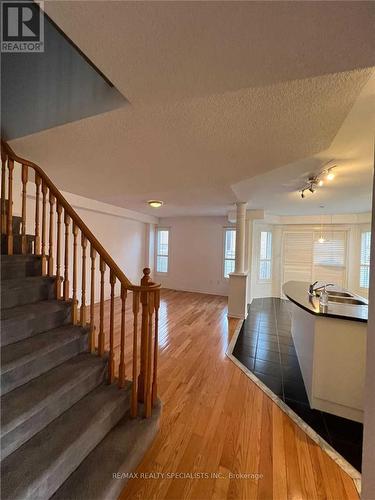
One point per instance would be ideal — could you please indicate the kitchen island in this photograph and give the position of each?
(330, 343)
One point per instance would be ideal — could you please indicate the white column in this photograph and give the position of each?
(240, 237)
(237, 299)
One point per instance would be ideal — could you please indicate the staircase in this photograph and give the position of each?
(69, 418)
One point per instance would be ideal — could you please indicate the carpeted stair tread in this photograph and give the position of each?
(19, 291)
(39, 467)
(29, 408)
(20, 283)
(29, 358)
(122, 449)
(26, 320)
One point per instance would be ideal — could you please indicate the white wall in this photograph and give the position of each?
(195, 254)
(124, 240)
(354, 226)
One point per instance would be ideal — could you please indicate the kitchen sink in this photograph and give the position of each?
(338, 294)
(331, 293)
(346, 300)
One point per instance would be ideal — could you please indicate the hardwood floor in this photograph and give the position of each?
(216, 421)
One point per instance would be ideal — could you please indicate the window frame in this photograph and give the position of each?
(226, 229)
(260, 260)
(363, 232)
(158, 229)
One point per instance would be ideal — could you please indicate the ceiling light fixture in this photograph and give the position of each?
(315, 181)
(155, 203)
(330, 175)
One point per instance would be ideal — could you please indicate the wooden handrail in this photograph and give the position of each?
(73, 215)
(49, 242)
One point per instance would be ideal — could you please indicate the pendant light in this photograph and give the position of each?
(321, 237)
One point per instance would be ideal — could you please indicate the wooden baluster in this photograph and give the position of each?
(3, 201)
(101, 320)
(92, 300)
(24, 179)
(75, 264)
(10, 208)
(83, 291)
(38, 182)
(156, 348)
(144, 335)
(148, 371)
(134, 400)
(44, 228)
(111, 364)
(51, 233)
(121, 377)
(66, 257)
(58, 252)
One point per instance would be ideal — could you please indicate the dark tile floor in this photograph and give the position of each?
(265, 346)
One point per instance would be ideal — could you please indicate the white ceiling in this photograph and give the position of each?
(221, 94)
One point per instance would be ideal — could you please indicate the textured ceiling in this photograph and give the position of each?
(220, 92)
(352, 150)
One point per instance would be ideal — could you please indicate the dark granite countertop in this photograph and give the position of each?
(297, 292)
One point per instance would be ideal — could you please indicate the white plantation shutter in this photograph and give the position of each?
(330, 257)
(364, 277)
(305, 259)
(298, 255)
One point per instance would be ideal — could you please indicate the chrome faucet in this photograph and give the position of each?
(312, 290)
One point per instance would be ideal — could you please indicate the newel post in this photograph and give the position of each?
(145, 281)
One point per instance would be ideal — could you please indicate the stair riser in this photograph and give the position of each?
(16, 330)
(16, 225)
(20, 269)
(40, 291)
(16, 221)
(74, 455)
(22, 374)
(17, 244)
(54, 407)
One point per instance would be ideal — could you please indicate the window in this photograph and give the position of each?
(330, 257)
(330, 249)
(162, 250)
(265, 256)
(310, 255)
(364, 274)
(229, 251)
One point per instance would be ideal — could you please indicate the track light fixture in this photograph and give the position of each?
(315, 181)
(330, 175)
